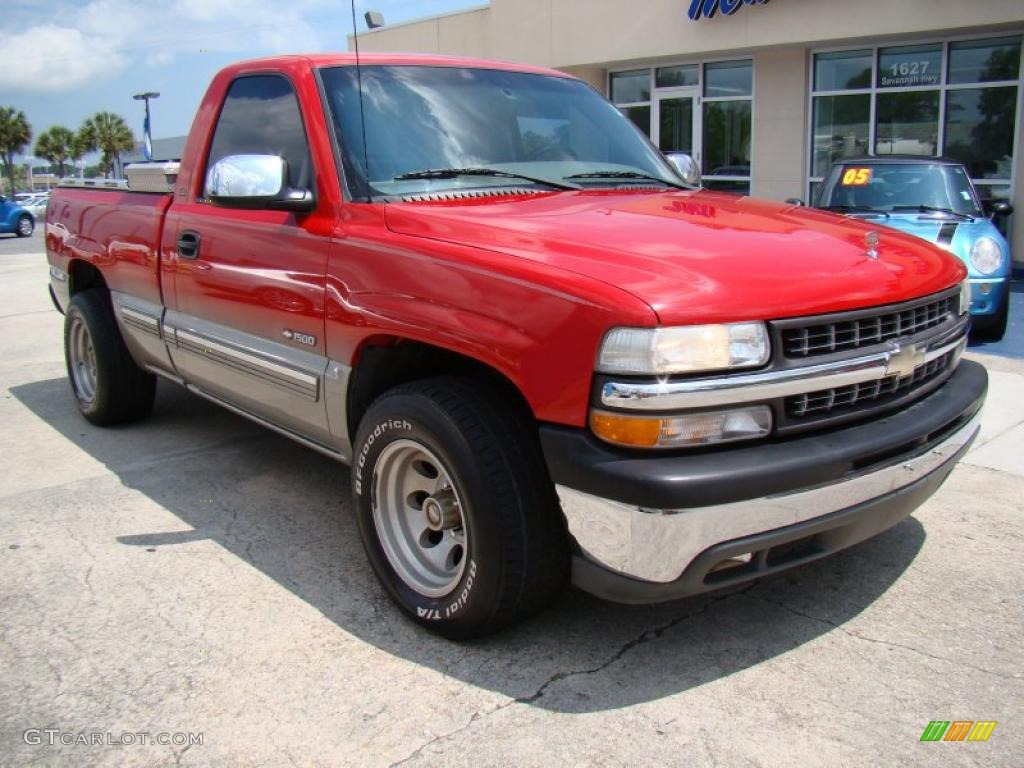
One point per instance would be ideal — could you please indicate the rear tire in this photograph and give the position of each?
(993, 327)
(455, 508)
(25, 226)
(108, 386)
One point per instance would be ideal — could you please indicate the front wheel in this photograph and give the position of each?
(993, 327)
(455, 510)
(108, 386)
(25, 226)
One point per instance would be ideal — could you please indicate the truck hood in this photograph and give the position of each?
(695, 256)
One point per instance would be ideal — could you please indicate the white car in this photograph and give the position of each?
(37, 206)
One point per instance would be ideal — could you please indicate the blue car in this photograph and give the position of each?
(932, 198)
(15, 219)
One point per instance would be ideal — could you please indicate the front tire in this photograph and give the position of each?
(108, 386)
(25, 226)
(993, 327)
(457, 515)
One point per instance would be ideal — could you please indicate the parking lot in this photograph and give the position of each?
(196, 574)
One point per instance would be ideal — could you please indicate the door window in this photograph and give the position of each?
(261, 117)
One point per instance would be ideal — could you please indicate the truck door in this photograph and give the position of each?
(245, 320)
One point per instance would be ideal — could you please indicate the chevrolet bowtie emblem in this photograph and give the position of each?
(904, 359)
(871, 240)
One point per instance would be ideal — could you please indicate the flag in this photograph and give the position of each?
(147, 141)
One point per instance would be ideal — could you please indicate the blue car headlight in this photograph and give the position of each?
(986, 255)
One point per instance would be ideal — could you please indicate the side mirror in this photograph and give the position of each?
(795, 201)
(255, 181)
(1000, 208)
(686, 167)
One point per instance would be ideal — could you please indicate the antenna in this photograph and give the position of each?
(362, 114)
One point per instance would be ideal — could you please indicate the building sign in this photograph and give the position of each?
(707, 8)
(908, 71)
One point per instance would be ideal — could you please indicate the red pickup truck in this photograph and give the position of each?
(542, 351)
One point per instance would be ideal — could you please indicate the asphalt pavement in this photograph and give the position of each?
(198, 577)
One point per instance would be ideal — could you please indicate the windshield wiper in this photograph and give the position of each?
(856, 209)
(626, 175)
(933, 209)
(451, 173)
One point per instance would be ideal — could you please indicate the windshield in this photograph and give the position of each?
(421, 118)
(899, 187)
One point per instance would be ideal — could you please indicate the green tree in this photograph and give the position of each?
(79, 148)
(15, 134)
(110, 134)
(20, 178)
(56, 145)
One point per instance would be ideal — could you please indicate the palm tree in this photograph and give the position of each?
(15, 134)
(79, 148)
(56, 145)
(110, 134)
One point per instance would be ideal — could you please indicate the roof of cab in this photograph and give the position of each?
(317, 60)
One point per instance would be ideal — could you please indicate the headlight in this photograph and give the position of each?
(965, 296)
(986, 255)
(683, 430)
(684, 349)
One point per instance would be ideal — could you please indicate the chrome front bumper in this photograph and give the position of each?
(658, 545)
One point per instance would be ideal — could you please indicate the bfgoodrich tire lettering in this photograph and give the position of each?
(490, 507)
(107, 385)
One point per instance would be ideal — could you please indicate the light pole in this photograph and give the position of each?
(147, 137)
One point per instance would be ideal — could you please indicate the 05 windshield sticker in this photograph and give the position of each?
(856, 177)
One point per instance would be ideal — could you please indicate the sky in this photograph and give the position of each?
(64, 60)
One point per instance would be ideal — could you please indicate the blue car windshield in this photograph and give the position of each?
(534, 129)
(899, 187)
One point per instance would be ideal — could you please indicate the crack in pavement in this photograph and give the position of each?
(877, 641)
(644, 637)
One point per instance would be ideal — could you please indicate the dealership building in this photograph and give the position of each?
(767, 94)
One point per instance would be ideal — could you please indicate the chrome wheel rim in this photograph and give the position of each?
(419, 518)
(25, 226)
(82, 357)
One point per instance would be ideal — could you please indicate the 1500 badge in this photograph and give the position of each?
(302, 338)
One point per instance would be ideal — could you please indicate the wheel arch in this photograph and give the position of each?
(384, 362)
(84, 276)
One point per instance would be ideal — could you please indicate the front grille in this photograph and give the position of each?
(843, 335)
(865, 395)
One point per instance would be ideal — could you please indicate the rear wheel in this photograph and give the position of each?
(458, 517)
(25, 226)
(992, 327)
(108, 386)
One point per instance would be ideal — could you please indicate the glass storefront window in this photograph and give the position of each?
(842, 127)
(907, 123)
(676, 125)
(842, 70)
(909, 66)
(962, 94)
(726, 185)
(729, 78)
(980, 129)
(984, 61)
(629, 87)
(641, 117)
(727, 133)
(676, 77)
